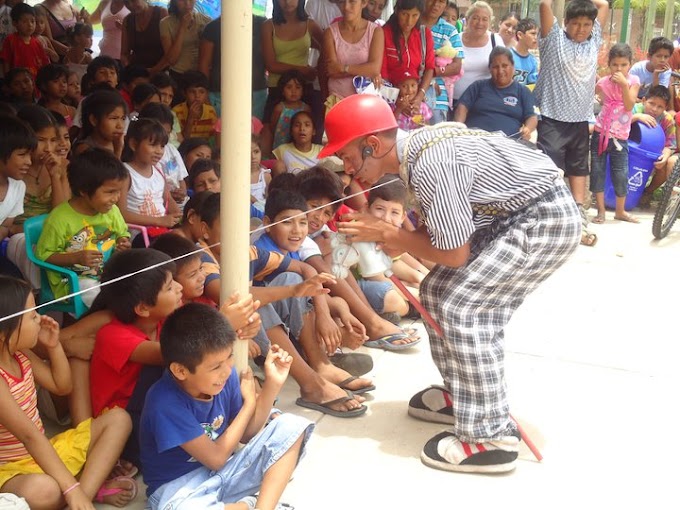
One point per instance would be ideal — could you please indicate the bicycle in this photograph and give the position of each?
(669, 206)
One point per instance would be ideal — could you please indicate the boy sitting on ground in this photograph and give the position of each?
(323, 387)
(198, 413)
(195, 115)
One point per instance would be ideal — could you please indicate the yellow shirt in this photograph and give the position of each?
(203, 127)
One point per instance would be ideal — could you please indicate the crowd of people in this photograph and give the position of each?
(115, 161)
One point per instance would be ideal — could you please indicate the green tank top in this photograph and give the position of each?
(295, 52)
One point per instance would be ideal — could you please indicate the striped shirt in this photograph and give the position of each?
(443, 31)
(462, 178)
(566, 84)
(24, 393)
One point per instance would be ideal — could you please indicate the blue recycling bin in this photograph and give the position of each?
(645, 145)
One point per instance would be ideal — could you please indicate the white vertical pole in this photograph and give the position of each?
(236, 54)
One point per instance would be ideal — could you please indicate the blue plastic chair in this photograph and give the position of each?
(75, 306)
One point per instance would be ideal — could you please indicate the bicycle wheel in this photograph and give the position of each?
(668, 209)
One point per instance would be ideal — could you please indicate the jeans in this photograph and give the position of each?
(618, 165)
(241, 476)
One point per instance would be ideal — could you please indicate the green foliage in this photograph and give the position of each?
(642, 5)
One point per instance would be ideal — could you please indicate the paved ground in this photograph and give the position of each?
(591, 366)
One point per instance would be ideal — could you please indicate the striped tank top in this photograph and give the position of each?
(24, 393)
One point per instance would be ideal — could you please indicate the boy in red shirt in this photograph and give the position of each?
(22, 48)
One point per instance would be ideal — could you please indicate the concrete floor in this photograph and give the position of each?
(591, 368)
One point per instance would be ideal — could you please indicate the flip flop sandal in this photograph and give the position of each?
(324, 407)
(103, 491)
(386, 342)
(360, 391)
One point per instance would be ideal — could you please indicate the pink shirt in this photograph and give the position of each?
(349, 54)
(614, 119)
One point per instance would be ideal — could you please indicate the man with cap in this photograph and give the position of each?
(497, 219)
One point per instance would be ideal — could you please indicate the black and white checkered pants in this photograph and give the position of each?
(473, 304)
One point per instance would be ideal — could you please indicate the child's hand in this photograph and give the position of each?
(185, 21)
(90, 258)
(241, 312)
(662, 69)
(355, 332)
(276, 366)
(619, 79)
(178, 194)
(647, 120)
(123, 243)
(248, 386)
(328, 333)
(169, 220)
(253, 349)
(52, 163)
(49, 332)
(525, 132)
(661, 162)
(78, 500)
(314, 286)
(195, 110)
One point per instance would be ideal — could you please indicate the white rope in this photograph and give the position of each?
(199, 250)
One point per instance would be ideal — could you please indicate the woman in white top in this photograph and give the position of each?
(477, 44)
(110, 13)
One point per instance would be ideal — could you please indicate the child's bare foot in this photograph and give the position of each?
(383, 328)
(626, 217)
(117, 492)
(123, 468)
(599, 219)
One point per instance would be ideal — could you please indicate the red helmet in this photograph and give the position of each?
(353, 117)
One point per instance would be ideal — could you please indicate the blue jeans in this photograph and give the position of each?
(241, 476)
(375, 293)
(618, 165)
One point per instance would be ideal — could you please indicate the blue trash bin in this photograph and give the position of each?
(645, 145)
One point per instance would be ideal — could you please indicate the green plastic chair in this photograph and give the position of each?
(75, 306)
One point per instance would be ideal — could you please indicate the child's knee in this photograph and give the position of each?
(395, 303)
(116, 418)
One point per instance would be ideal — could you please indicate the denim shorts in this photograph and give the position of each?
(618, 165)
(241, 476)
(375, 293)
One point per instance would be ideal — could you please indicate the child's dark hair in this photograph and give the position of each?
(200, 166)
(157, 111)
(191, 144)
(278, 17)
(162, 80)
(90, 169)
(658, 44)
(144, 129)
(99, 104)
(195, 204)
(285, 181)
(620, 50)
(132, 72)
(192, 332)
(122, 296)
(318, 183)
(280, 200)
(49, 73)
(525, 25)
(395, 191)
(143, 92)
(453, 5)
(37, 117)
(256, 140)
(12, 74)
(99, 63)
(508, 15)
(209, 210)
(79, 28)
(393, 21)
(15, 135)
(301, 113)
(21, 9)
(580, 9)
(13, 295)
(659, 91)
(501, 51)
(176, 247)
(194, 79)
(59, 119)
(288, 76)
